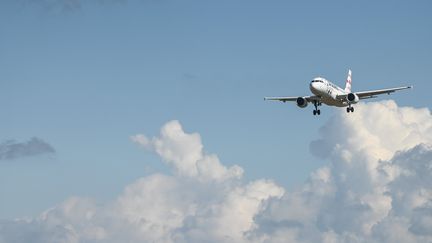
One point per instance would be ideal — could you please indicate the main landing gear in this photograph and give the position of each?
(316, 111)
(350, 109)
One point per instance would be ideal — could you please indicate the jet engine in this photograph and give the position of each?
(352, 98)
(301, 102)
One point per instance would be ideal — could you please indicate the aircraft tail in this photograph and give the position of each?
(348, 82)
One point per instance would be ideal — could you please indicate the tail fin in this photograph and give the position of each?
(348, 82)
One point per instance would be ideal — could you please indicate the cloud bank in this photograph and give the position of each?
(13, 150)
(377, 187)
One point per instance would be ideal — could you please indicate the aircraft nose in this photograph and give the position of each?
(313, 85)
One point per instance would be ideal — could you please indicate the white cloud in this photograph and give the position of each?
(378, 178)
(184, 152)
(203, 201)
(377, 187)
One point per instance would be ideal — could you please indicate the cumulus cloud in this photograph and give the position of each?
(184, 153)
(13, 150)
(377, 187)
(202, 200)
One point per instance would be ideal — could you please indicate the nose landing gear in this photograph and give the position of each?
(316, 111)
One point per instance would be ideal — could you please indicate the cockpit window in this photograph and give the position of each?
(320, 81)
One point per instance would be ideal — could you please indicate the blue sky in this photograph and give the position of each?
(87, 79)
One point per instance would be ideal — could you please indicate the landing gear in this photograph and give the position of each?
(350, 109)
(316, 111)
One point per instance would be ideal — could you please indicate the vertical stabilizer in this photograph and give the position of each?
(348, 82)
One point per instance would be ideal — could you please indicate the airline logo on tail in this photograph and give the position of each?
(348, 82)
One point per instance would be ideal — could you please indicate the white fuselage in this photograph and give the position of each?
(328, 92)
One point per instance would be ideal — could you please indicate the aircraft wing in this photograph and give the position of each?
(374, 93)
(292, 98)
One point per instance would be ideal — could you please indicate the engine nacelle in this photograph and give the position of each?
(301, 102)
(352, 98)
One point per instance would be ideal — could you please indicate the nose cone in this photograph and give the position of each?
(313, 86)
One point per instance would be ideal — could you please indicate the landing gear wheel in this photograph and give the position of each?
(352, 109)
(316, 111)
(348, 109)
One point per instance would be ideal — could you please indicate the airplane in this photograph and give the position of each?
(325, 92)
